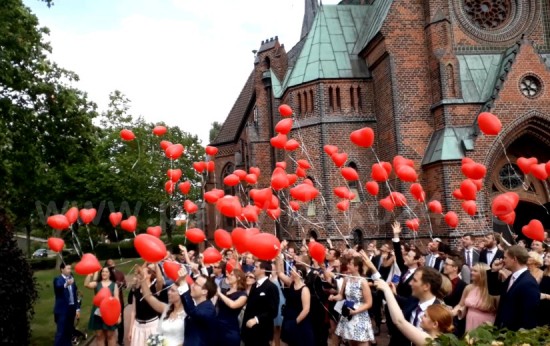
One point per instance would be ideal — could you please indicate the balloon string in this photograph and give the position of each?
(78, 248)
(139, 154)
(61, 257)
(90, 237)
(118, 244)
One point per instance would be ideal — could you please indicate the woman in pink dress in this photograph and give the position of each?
(476, 304)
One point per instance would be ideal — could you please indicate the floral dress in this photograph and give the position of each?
(359, 327)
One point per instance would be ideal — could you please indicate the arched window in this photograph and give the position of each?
(311, 207)
(357, 237)
(352, 98)
(313, 234)
(312, 100)
(451, 80)
(305, 102)
(330, 99)
(267, 63)
(338, 100)
(359, 103)
(299, 104)
(354, 185)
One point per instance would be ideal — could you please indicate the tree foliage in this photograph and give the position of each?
(214, 130)
(17, 287)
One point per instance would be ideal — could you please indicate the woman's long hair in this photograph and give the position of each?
(241, 279)
(487, 302)
(111, 274)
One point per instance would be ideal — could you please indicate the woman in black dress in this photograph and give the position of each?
(296, 328)
(230, 304)
(544, 307)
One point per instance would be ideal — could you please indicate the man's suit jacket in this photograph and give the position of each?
(475, 256)
(483, 256)
(263, 303)
(454, 297)
(200, 322)
(408, 305)
(403, 287)
(518, 305)
(62, 296)
(438, 263)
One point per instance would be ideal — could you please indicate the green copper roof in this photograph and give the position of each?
(448, 144)
(478, 74)
(329, 44)
(377, 13)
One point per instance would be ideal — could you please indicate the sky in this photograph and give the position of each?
(180, 62)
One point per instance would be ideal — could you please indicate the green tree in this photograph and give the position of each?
(46, 122)
(214, 130)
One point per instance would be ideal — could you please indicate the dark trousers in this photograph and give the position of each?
(121, 328)
(65, 327)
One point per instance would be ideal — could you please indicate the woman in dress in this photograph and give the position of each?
(103, 332)
(171, 322)
(296, 328)
(356, 328)
(144, 319)
(544, 307)
(476, 304)
(230, 304)
(533, 264)
(436, 321)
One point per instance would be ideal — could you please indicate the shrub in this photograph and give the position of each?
(42, 263)
(105, 251)
(491, 336)
(17, 288)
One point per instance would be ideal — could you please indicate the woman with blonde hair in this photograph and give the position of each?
(436, 321)
(476, 304)
(533, 264)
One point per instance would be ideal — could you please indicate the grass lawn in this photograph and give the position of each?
(43, 325)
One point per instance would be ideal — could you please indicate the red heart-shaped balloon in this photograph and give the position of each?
(330, 149)
(210, 150)
(195, 235)
(285, 110)
(451, 219)
(115, 218)
(222, 238)
(110, 311)
(174, 174)
(211, 255)
(339, 159)
(103, 293)
(278, 141)
(534, 230)
(266, 246)
(435, 207)
(292, 145)
(185, 187)
(150, 248)
(171, 269)
(87, 215)
(190, 207)
(372, 187)
(363, 137)
(154, 231)
(174, 151)
(56, 244)
(284, 126)
(489, 124)
(58, 222)
(159, 130)
(526, 163)
(72, 215)
(88, 265)
(130, 224)
(413, 224)
(387, 204)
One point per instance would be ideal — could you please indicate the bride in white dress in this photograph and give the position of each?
(171, 324)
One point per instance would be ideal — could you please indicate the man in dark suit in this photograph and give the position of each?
(491, 252)
(425, 285)
(261, 308)
(519, 293)
(470, 253)
(200, 322)
(451, 268)
(66, 305)
(433, 259)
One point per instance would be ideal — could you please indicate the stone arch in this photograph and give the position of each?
(358, 236)
(526, 136)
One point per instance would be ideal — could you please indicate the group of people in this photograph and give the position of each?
(293, 300)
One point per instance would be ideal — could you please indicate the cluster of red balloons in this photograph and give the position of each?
(62, 222)
(532, 166)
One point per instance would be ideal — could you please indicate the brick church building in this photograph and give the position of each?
(418, 73)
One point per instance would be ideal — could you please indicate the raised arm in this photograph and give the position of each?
(232, 304)
(280, 271)
(396, 227)
(415, 335)
(91, 281)
(153, 302)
